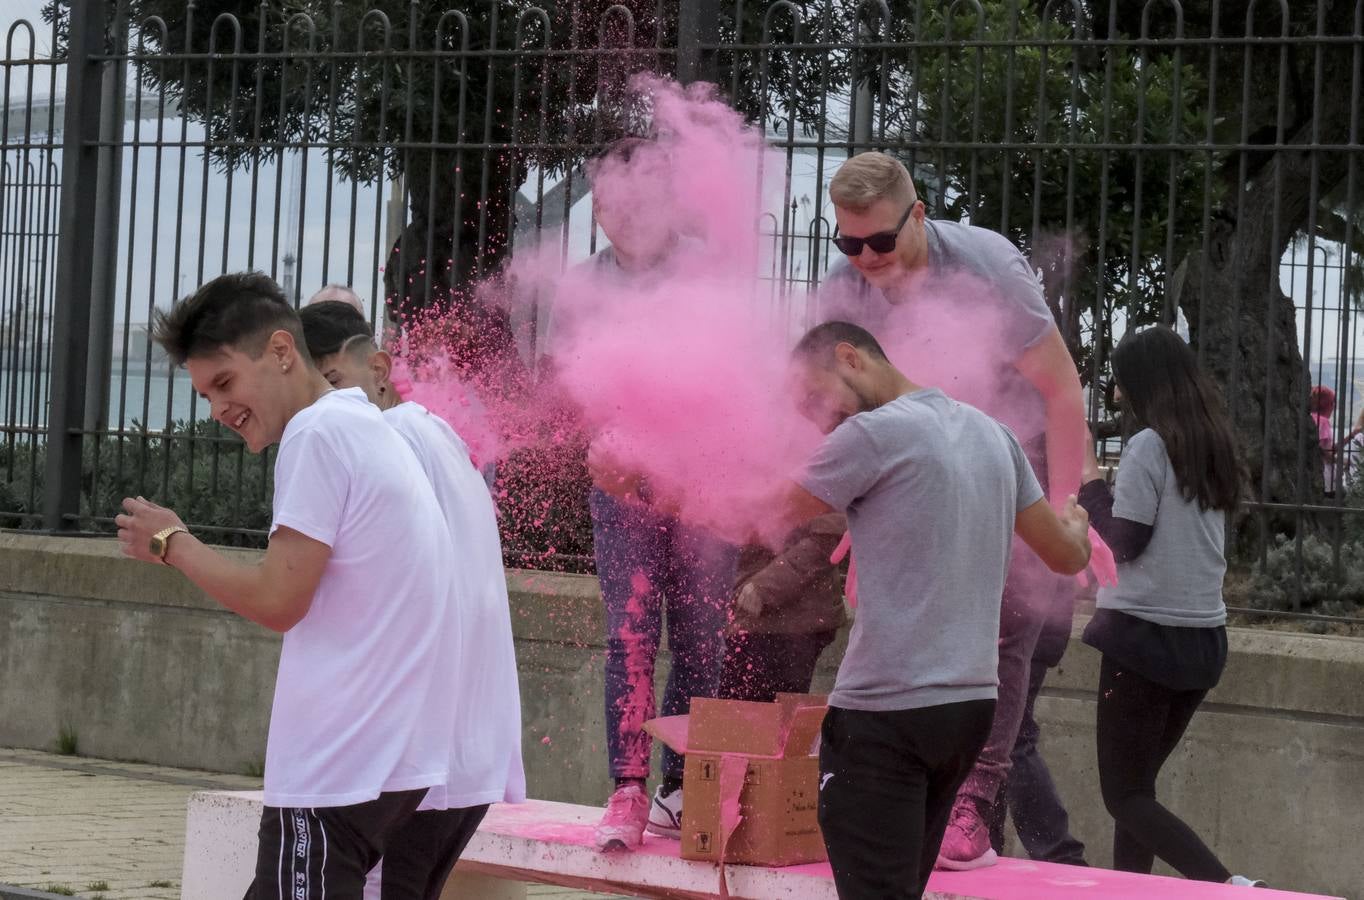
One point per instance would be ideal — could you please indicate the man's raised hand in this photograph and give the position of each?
(139, 521)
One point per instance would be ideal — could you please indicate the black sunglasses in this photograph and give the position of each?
(884, 242)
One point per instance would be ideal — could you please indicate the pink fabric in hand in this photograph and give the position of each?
(1101, 562)
(843, 549)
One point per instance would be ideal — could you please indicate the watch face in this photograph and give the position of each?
(158, 547)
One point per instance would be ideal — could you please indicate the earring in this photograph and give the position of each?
(382, 389)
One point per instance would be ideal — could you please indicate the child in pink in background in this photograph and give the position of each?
(1322, 403)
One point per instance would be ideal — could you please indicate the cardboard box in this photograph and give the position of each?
(751, 789)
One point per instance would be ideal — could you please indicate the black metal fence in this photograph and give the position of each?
(1191, 163)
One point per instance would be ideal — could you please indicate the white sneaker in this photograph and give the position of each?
(1242, 881)
(622, 826)
(665, 814)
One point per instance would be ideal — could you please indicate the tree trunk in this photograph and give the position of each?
(1243, 323)
(1250, 347)
(436, 218)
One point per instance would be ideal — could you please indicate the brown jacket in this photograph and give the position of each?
(801, 591)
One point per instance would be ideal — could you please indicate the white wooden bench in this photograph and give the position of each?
(551, 843)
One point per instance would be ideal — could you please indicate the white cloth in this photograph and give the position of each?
(355, 711)
(485, 765)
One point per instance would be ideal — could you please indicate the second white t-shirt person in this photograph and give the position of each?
(486, 766)
(481, 695)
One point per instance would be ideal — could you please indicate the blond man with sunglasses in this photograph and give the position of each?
(896, 262)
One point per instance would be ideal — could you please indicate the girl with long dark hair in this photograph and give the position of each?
(1162, 628)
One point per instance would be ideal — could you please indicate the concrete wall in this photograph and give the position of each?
(140, 666)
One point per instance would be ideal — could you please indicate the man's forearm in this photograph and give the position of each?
(239, 587)
(1051, 371)
(1065, 437)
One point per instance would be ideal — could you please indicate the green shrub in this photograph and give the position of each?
(204, 473)
(542, 507)
(1275, 585)
(199, 469)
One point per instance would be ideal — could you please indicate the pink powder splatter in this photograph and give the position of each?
(436, 385)
(680, 373)
(637, 703)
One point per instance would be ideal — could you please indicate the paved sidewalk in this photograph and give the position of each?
(98, 829)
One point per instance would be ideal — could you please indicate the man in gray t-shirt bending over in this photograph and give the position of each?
(960, 307)
(933, 490)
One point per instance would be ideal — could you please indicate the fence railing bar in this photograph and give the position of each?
(797, 144)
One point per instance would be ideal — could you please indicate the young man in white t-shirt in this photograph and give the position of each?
(486, 763)
(357, 576)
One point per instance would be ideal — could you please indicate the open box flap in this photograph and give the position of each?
(768, 730)
(671, 730)
(803, 730)
(736, 726)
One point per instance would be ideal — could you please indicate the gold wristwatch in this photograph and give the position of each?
(160, 542)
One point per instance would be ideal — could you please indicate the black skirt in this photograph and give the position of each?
(1181, 658)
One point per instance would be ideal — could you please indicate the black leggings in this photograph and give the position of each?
(1140, 724)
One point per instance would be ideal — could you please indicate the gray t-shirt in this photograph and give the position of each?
(1003, 293)
(1177, 580)
(931, 488)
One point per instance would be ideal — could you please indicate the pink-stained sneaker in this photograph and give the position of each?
(966, 845)
(622, 827)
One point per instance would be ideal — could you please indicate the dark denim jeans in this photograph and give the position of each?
(1030, 795)
(758, 667)
(646, 562)
(1030, 591)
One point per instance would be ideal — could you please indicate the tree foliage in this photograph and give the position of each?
(1142, 177)
(1095, 222)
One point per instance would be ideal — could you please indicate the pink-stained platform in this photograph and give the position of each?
(552, 843)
